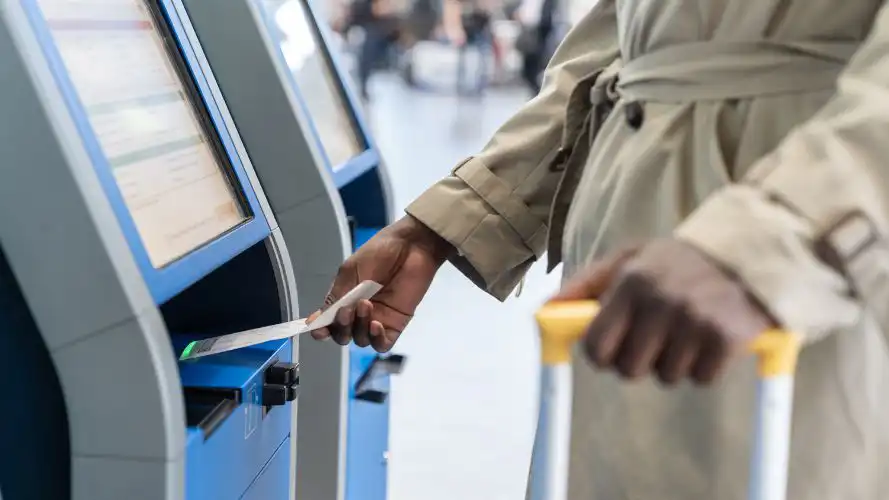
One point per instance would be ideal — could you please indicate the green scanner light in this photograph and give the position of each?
(188, 350)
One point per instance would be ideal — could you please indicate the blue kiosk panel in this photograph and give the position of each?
(133, 81)
(228, 460)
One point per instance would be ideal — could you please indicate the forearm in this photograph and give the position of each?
(494, 207)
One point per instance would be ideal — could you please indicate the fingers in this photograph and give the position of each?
(321, 333)
(608, 330)
(344, 281)
(679, 353)
(596, 280)
(341, 329)
(381, 338)
(361, 327)
(642, 331)
(712, 356)
(639, 352)
(356, 324)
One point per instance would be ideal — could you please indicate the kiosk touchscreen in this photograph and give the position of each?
(132, 225)
(321, 91)
(329, 190)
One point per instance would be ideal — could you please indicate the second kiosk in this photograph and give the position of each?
(328, 189)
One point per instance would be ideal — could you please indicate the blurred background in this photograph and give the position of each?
(437, 79)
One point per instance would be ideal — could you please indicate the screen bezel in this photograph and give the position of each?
(167, 281)
(351, 169)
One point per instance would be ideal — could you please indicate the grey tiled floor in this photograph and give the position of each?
(464, 410)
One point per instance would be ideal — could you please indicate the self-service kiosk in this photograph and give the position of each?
(328, 188)
(131, 222)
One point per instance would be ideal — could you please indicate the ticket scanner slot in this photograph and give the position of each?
(133, 224)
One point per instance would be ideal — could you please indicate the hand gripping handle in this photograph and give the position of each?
(563, 324)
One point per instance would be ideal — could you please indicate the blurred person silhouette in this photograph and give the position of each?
(421, 24)
(536, 18)
(707, 170)
(381, 25)
(467, 24)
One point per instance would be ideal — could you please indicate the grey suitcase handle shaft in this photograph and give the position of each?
(562, 324)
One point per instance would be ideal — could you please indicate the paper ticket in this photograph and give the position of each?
(232, 341)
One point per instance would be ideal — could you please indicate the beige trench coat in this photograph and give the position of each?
(756, 130)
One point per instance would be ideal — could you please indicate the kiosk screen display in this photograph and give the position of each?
(164, 161)
(318, 83)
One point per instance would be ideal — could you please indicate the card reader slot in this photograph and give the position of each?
(210, 395)
(207, 407)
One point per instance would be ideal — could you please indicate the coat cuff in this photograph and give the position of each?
(496, 235)
(770, 249)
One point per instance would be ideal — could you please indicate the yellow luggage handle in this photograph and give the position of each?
(562, 324)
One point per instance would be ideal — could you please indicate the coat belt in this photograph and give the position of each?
(684, 74)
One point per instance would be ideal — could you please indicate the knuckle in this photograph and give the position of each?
(669, 379)
(706, 371)
(666, 379)
(594, 352)
(344, 269)
(623, 369)
(701, 378)
(636, 370)
(627, 365)
(715, 342)
(640, 286)
(626, 373)
(721, 344)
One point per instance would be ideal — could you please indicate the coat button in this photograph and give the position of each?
(635, 115)
(559, 160)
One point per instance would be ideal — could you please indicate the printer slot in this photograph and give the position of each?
(207, 407)
(210, 395)
(209, 417)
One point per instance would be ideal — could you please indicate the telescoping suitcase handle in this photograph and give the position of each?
(562, 324)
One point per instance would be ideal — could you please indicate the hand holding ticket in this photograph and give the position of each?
(215, 345)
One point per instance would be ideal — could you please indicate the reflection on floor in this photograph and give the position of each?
(464, 410)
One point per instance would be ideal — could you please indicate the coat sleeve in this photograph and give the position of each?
(494, 206)
(806, 230)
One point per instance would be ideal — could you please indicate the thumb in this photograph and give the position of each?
(593, 281)
(345, 279)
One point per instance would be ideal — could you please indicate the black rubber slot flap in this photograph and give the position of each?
(210, 395)
(379, 367)
(209, 417)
